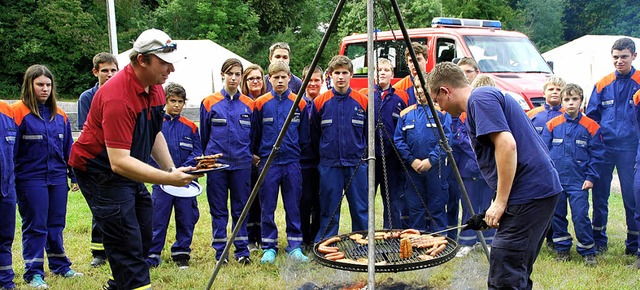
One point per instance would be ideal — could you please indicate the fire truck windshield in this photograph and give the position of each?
(496, 54)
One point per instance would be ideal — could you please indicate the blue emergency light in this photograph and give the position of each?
(461, 22)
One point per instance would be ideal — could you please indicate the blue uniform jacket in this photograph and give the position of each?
(183, 140)
(388, 104)
(417, 138)
(43, 146)
(84, 104)
(339, 127)
(611, 106)
(8, 131)
(462, 151)
(541, 115)
(226, 127)
(270, 114)
(308, 157)
(576, 148)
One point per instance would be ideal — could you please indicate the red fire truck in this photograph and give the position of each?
(508, 56)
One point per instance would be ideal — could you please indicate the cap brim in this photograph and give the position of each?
(171, 57)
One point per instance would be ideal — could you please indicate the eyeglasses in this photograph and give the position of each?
(254, 79)
(169, 47)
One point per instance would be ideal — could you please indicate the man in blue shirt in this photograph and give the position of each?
(515, 163)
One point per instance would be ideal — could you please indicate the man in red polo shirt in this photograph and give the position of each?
(123, 129)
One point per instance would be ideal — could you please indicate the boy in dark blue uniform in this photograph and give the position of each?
(271, 113)
(183, 141)
(576, 147)
(611, 106)
(389, 103)
(339, 134)
(516, 164)
(417, 140)
(309, 200)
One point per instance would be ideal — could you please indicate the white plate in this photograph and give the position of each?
(190, 190)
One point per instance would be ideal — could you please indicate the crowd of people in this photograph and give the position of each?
(521, 170)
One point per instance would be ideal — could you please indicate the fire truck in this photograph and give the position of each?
(508, 56)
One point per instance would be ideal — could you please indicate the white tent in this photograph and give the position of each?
(200, 72)
(586, 60)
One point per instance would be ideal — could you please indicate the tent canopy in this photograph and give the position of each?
(199, 74)
(586, 60)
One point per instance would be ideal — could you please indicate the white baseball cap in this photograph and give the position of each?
(154, 41)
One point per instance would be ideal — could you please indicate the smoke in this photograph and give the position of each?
(471, 272)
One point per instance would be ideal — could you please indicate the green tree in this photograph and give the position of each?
(542, 22)
(59, 34)
(228, 23)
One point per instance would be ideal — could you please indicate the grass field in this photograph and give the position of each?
(460, 273)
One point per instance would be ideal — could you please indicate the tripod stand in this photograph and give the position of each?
(371, 142)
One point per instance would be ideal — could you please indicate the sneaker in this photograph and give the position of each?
(224, 261)
(72, 274)
(563, 256)
(590, 261)
(464, 251)
(600, 250)
(37, 282)
(297, 256)
(268, 257)
(244, 260)
(182, 264)
(252, 247)
(98, 261)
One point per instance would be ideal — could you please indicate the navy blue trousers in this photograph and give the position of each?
(624, 162)
(124, 212)
(286, 179)
(578, 201)
(233, 185)
(517, 243)
(186, 217)
(334, 179)
(391, 200)
(7, 232)
(310, 205)
(43, 209)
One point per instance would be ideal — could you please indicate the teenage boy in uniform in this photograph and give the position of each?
(183, 141)
(407, 83)
(576, 147)
(309, 200)
(389, 102)
(271, 113)
(611, 106)
(339, 134)
(280, 51)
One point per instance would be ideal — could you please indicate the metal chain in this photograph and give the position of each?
(413, 184)
(380, 127)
